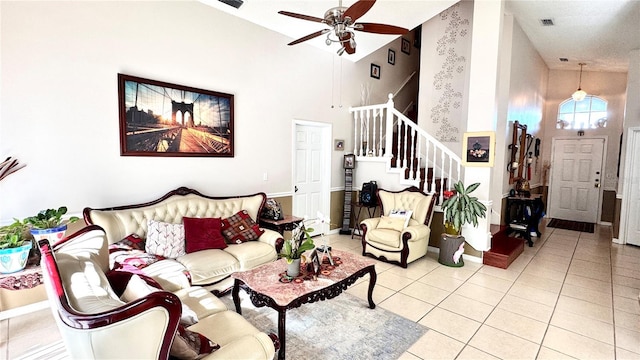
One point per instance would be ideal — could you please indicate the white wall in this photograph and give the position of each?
(527, 91)
(631, 110)
(59, 111)
(610, 86)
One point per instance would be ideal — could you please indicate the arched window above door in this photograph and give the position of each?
(589, 113)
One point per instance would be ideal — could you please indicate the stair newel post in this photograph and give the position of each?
(389, 128)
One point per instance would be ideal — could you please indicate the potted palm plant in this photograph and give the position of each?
(15, 245)
(459, 209)
(48, 224)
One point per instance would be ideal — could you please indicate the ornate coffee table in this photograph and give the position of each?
(265, 289)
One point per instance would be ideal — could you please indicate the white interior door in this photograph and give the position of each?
(576, 170)
(311, 172)
(629, 224)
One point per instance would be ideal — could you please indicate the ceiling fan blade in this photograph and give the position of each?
(358, 9)
(347, 44)
(380, 28)
(309, 37)
(300, 16)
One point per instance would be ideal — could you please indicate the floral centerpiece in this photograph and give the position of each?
(299, 242)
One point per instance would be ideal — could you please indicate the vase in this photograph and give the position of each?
(14, 259)
(293, 269)
(52, 234)
(451, 249)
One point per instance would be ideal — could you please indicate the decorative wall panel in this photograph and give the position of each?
(447, 111)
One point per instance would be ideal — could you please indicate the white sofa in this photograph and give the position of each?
(96, 324)
(209, 268)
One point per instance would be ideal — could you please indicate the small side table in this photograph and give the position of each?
(287, 224)
(357, 210)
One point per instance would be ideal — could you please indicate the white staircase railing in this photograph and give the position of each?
(384, 132)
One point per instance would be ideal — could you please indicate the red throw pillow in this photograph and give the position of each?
(240, 228)
(201, 234)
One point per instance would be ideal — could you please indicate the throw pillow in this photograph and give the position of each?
(165, 239)
(189, 344)
(403, 214)
(201, 234)
(391, 223)
(240, 228)
(131, 242)
(137, 288)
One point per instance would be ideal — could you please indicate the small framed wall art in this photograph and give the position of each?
(391, 57)
(406, 46)
(349, 161)
(375, 71)
(479, 148)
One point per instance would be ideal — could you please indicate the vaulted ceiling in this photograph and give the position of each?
(599, 33)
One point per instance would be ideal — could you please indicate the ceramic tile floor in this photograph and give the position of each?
(572, 295)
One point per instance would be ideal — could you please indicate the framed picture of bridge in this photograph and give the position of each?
(162, 119)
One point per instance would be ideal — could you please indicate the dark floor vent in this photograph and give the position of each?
(235, 3)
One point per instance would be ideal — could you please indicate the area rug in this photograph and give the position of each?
(340, 328)
(572, 225)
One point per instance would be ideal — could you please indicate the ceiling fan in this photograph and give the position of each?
(342, 22)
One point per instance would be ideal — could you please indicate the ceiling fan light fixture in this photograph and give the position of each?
(579, 94)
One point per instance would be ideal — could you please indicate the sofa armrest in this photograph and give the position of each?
(272, 238)
(83, 332)
(370, 223)
(416, 232)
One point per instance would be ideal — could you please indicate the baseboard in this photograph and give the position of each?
(7, 314)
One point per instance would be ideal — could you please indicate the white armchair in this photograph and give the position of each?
(396, 240)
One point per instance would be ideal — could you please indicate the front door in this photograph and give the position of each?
(575, 179)
(311, 173)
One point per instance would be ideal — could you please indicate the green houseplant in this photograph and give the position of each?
(459, 208)
(293, 248)
(15, 244)
(48, 224)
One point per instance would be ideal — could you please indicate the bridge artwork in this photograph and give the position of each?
(162, 119)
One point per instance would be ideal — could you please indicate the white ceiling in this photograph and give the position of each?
(599, 33)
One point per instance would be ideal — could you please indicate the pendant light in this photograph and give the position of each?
(580, 94)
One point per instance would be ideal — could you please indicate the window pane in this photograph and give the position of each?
(598, 104)
(583, 106)
(581, 121)
(567, 107)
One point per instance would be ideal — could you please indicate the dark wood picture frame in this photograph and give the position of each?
(163, 119)
(406, 46)
(391, 57)
(349, 161)
(314, 262)
(375, 71)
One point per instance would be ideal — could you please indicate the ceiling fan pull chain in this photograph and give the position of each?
(341, 82)
(333, 78)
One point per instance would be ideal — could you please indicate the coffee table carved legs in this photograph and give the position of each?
(329, 292)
